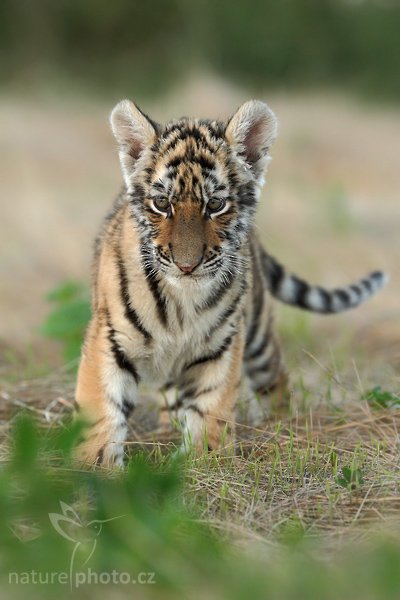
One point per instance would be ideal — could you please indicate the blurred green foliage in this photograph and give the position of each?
(68, 319)
(142, 46)
(148, 528)
(380, 398)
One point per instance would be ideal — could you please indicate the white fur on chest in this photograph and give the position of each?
(180, 342)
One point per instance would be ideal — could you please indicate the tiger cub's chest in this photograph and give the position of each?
(194, 330)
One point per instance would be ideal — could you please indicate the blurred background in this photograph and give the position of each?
(330, 69)
(330, 211)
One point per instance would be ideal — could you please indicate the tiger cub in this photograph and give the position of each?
(181, 284)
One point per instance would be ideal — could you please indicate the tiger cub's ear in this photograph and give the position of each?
(252, 130)
(134, 131)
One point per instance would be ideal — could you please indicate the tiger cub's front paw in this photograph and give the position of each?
(92, 453)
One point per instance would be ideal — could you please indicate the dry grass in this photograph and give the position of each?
(283, 482)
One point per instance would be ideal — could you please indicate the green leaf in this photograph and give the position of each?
(68, 320)
(25, 443)
(381, 399)
(351, 478)
(65, 291)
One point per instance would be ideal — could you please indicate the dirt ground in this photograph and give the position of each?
(330, 210)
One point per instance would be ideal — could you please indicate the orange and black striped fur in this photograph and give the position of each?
(182, 286)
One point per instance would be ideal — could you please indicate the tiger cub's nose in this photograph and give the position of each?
(188, 267)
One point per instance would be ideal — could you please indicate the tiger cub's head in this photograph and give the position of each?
(193, 185)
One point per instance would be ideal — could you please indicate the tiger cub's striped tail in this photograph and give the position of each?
(292, 290)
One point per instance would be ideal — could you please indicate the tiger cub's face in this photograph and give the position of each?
(193, 185)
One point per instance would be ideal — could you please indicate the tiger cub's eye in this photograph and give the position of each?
(215, 204)
(161, 203)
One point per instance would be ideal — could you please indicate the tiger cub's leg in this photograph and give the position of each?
(168, 404)
(264, 371)
(208, 395)
(105, 395)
